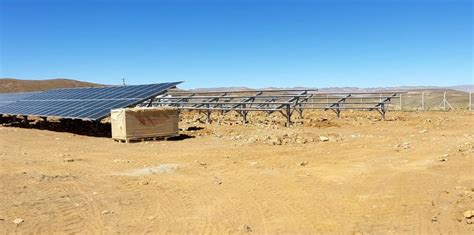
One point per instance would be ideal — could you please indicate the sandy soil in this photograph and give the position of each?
(411, 174)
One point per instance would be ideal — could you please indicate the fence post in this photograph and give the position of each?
(444, 101)
(422, 100)
(470, 101)
(401, 101)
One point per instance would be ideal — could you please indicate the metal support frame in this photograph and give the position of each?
(299, 106)
(270, 101)
(381, 107)
(215, 99)
(336, 107)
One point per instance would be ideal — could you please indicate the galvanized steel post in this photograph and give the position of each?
(422, 100)
(470, 101)
(401, 101)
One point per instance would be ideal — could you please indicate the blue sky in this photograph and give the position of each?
(240, 43)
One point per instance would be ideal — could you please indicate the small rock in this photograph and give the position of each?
(246, 228)
(151, 217)
(252, 140)
(68, 160)
(468, 214)
(218, 180)
(404, 145)
(275, 141)
(301, 141)
(18, 221)
(323, 138)
(253, 163)
(105, 212)
(143, 182)
(202, 163)
(121, 161)
(303, 163)
(434, 219)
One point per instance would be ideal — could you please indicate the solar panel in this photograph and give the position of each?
(92, 103)
(8, 98)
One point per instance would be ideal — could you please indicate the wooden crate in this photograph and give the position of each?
(144, 123)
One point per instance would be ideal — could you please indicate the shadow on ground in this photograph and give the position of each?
(181, 137)
(78, 127)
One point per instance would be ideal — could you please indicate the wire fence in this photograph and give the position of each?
(412, 100)
(433, 100)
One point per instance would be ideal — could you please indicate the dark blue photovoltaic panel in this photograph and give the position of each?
(8, 98)
(92, 103)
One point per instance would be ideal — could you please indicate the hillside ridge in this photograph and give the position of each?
(9, 85)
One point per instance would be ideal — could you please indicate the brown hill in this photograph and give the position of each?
(8, 85)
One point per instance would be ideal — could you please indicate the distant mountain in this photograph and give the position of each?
(8, 85)
(221, 89)
(17, 85)
(463, 88)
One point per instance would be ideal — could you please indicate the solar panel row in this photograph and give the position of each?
(84, 103)
(7, 98)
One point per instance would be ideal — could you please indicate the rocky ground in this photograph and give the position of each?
(413, 173)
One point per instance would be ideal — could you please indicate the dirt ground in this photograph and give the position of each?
(413, 173)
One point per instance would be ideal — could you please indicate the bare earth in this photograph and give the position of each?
(411, 174)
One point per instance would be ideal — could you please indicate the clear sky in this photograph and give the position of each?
(240, 42)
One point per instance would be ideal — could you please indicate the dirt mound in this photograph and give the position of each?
(8, 85)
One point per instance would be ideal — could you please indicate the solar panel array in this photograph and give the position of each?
(8, 98)
(92, 103)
